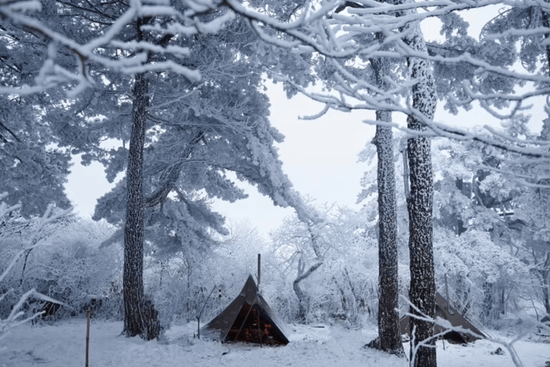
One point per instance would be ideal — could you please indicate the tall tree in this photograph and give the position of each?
(388, 318)
(420, 200)
(132, 280)
(94, 117)
(420, 203)
(389, 333)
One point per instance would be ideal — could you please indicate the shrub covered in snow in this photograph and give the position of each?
(64, 261)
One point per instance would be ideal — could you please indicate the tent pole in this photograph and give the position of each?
(245, 318)
(449, 308)
(259, 329)
(200, 313)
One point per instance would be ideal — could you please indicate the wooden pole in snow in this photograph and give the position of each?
(88, 317)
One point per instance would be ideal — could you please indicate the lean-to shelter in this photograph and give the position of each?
(247, 319)
(445, 312)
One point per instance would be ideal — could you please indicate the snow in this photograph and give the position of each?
(63, 344)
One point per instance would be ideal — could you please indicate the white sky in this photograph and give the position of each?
(320, 156)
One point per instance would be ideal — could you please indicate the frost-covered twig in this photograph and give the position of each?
(52, 74)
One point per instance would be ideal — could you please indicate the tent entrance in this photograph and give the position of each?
(252, 326)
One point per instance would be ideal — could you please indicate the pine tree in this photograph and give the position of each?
(33, 167)
(389, 333)
(420, 204)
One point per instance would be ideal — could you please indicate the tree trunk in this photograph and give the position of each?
(388, 319)
(420, 207)
(545, 135)
(140, 316)
(389, 336)
(133, 230)
(487, 301)
(546, 292)
(303, 301)
(303, 298)
(545, 274)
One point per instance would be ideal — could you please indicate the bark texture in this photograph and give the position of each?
(420, 207)
(545, 134)
(133, 230)
(544, 272)
(140, 316)
(389, 335)
(388, 317)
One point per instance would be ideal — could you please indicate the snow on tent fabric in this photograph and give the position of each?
(248, 319)
(445, 312)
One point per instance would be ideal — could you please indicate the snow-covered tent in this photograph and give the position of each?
(249, 319)
(445, 312)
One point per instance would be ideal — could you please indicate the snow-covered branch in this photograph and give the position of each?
(5, 208)
(15, 317)
(134, 61)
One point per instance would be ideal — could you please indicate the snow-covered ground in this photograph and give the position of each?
(63, 345)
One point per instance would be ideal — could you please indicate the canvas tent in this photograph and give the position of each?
(445, 312)
(248, 318)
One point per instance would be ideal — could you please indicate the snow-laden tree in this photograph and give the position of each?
(377, 72)
(68, 266)
(373, 89)
(423, 102)
(303, 246)
(481, 208)
(110, 45)
(331, 267)
(16, 315)
(526, 226)
(184, 135)
(32, 167)
(183, 285)
(531, 210)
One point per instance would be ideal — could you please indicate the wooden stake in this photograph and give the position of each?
(199, 327)
(88, 317)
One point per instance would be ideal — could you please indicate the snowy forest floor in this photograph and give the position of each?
(63, 345)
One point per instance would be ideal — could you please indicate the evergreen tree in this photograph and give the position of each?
(420, 203)
(32, 166)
